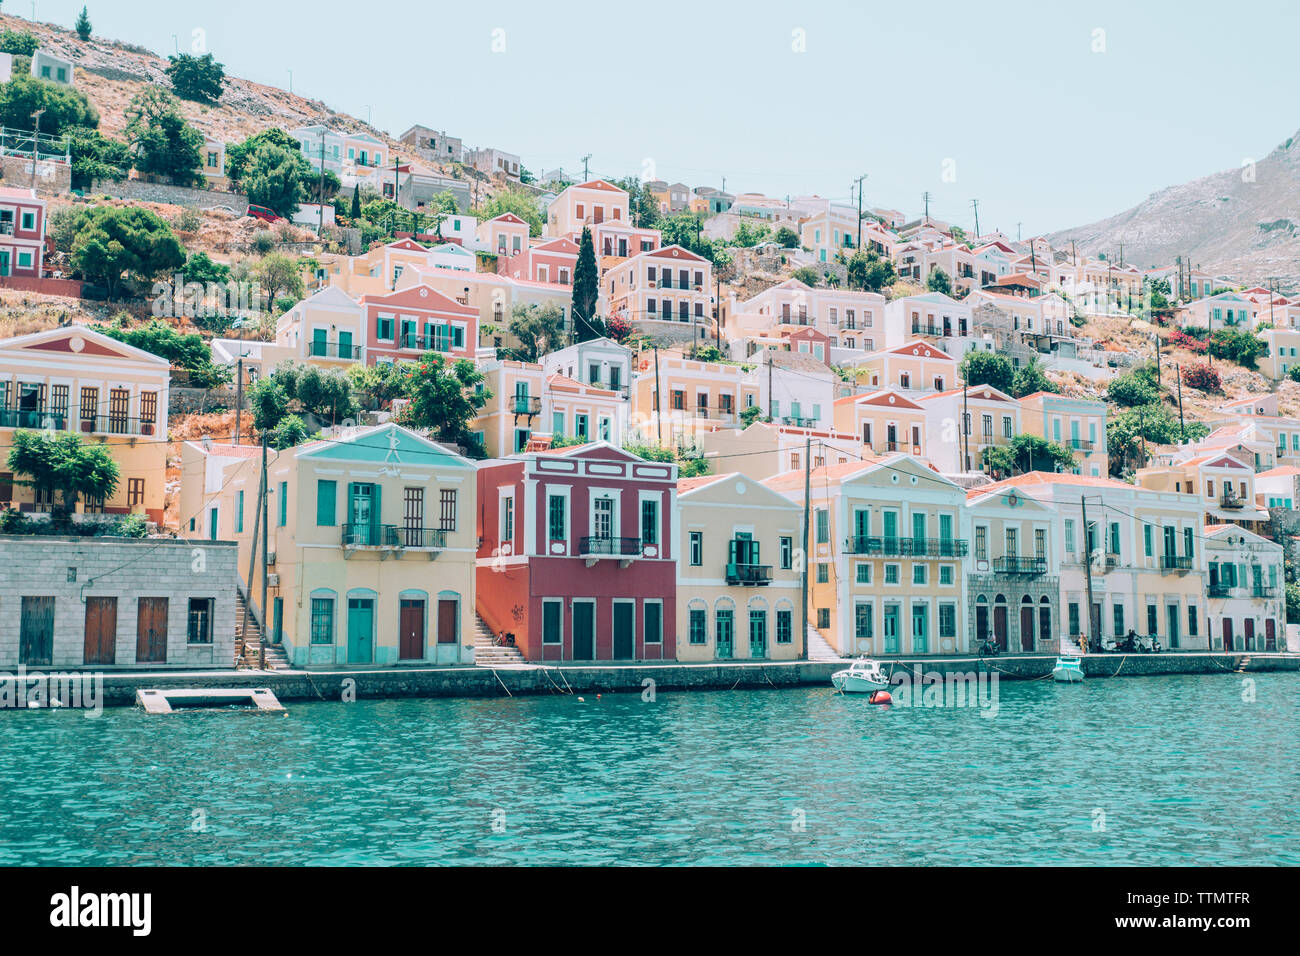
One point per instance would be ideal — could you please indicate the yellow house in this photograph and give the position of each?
(738, 578)
(888, 546)
(372, 537)
(1224, 481)
(887, 421)
(676, 399)
(914, 366)
(765, 449)
(78, 380)
(1077, 423)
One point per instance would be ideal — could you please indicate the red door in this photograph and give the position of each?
(446, 622)
(101, 630)
(151, 631)
(1270, 636)
(1000, 626)
(410, 645)
(1227, 634)
(1027, 629)
(1250, 633)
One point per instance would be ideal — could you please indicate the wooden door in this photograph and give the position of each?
(1250, 633)
(981, 622)
(101, 630)
(447, 621)
(151, 631)
(1027, 629)
(1000, 626)
(1227, 634)
(584, 632)
(624, 631)
(1270, 636)
(36, 633)
(410, 644)
(361, 622)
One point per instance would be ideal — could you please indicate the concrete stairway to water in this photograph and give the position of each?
(248, 635)
(818, 649)
(487, 654)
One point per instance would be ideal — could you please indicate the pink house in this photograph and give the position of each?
(417, 319)
(552, 262)
(22, 232)
(506, 235)
(577, 557)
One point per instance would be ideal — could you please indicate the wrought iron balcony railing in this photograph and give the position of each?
(1175, 563)
(609, 545)
(749, 574)
(1017, 565)
(906, 547)
(370, 536)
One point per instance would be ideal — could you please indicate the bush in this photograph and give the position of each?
(1237, 345)
(1293, 373)
(197, 78)
(1131, 390)
(18, 42)
(1203, 377)
(1184, 341)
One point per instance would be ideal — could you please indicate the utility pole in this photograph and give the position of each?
(807, 544)
(659, 401)
(266, 533)
(239, 391)
(320, 195)
(1087, 543)
(769, 383)
(1155, 337)
(859, 182)
(584, 167)
(976, 204)
(925, 196)
(1121, 255)
(1182, 431)
(965, 427)
(36, 139)
(252, 554)
(1018, 225)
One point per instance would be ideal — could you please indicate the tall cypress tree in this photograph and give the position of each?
(586, 287)
(83, 26)
(355, 213)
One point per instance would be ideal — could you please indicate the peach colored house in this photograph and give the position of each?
(550, 261)
(887, 421)
(914, 366)
(666, 294)
(692, 397)
(506, 236)
(604, 208)
(962, 423)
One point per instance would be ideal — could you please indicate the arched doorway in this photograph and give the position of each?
(1045, 620)
(1027, 624)
(981, 620)
(1000, 622)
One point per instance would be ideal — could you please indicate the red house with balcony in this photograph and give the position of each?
(576, 555)
(553, 262)
(22, 232)
(407, 323)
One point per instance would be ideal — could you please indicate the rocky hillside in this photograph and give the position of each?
(1231, 222)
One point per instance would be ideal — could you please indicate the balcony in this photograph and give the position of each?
(1230, 500)
(25, 418)
(526, 404)
(797, 421)
(432, 540)
(1262, 591)
(1017, 565)
(1080, 444)
(1175, 564)
(318, 348)
(1219, 591)
(116, 425)
(749, 574)
(906, 547)
(594, 547)
(370, 536)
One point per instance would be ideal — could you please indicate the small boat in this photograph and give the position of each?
(1068, 670)
(861, 677)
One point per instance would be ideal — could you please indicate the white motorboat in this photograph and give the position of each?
(1068, 670)
(861, 677)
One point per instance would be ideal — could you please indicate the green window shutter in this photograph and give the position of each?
(375, 511)
(326, 503)
(239, 513)
(284, 503)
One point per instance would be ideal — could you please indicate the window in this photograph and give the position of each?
(946, 575)
(1148, 547)
(981, 544)
(1117, 619)
(784, 626)
(787, 552)
(649, 521)
(148, 404)
(507, 519)
(555, 518)
(947, 620)
(1012, 543)
(1192, 620)
(918, 574)
(1152, 619)
(1073, 614)
(552, 612)
(199, 629)
(322, 620)
(823, 617)
(863, 621)
(284, 504)
(697, 548)
(1069, 536)
(28, 221)
(447, 509)
(891, 574)
(823, 573)
(1188, 537)
(823, 526)
(862, 572)
(698, 625)
(326, 503)
(384, 328)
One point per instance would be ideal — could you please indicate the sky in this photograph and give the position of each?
(1051, 114)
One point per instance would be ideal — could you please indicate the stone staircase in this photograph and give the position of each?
(818, 649)
(1070, 647)
(487, 654)
(248, 635)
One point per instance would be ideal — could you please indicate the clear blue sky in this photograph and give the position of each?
(1040, 128)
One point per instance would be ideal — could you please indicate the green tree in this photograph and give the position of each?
(983, 367)
(643, 208)
(539, 329)
(162, 143)
(1031, 378)
(82, 26)
(199, 267)
(586, 289)
(1293, 603)
(808, 275)
(383, 381)
(787, 238)
(270, 404)
(278, 275)
(62, 106)
(274, 177)
(325, 393)
(444, 397)
(19, 42)
(118, 242)
(188, 351)
(238, 154)
(747, 236)
(95, 156)
(1128, 430)
(1237, 345)
(355, 213)
(197, 78)
(867, 271)
(938, 281)
(513, 201)
(1131, 390)
(58, 462)
(291, 430)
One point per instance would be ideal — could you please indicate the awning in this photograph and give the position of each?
(1229, 515)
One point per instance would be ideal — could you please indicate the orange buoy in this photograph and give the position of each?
(881, 697)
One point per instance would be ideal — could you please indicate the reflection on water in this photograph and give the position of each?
(1175, 770)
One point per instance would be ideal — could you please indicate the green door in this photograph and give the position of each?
(758, 634)
(4, 262)
(726, 633)
(361, 624)
(345, 345)
(624, 631)
(891, 628)
(318, 341)
(584, 631)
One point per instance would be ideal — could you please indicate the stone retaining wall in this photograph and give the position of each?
(175, 195)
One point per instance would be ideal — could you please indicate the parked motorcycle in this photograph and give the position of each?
(988, 648)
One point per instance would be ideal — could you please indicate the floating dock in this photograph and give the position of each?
(155, 701)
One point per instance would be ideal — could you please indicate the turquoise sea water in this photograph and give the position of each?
(1184, 771)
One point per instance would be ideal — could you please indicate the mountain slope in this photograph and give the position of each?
(1225, 223)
